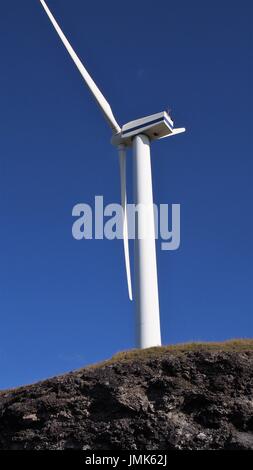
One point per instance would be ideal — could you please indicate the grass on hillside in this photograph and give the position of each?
(233, 345)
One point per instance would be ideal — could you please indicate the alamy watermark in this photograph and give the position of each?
(106, 221)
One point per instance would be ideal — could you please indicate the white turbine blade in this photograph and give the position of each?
(174, 132)
(122, 162)
(103, 104)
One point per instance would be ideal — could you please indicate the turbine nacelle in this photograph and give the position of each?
(156, 126)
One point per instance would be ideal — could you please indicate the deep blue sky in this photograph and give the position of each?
(64, 303)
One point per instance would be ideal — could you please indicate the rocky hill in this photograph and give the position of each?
(197, 396)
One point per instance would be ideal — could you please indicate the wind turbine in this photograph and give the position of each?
(137, 134)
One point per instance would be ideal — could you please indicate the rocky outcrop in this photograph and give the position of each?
(199, 399)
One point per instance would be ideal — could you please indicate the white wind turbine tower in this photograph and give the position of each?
(137, 134)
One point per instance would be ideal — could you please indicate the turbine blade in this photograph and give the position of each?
(122, 162)
(103, 104)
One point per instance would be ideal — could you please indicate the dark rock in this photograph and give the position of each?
(192, 400)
